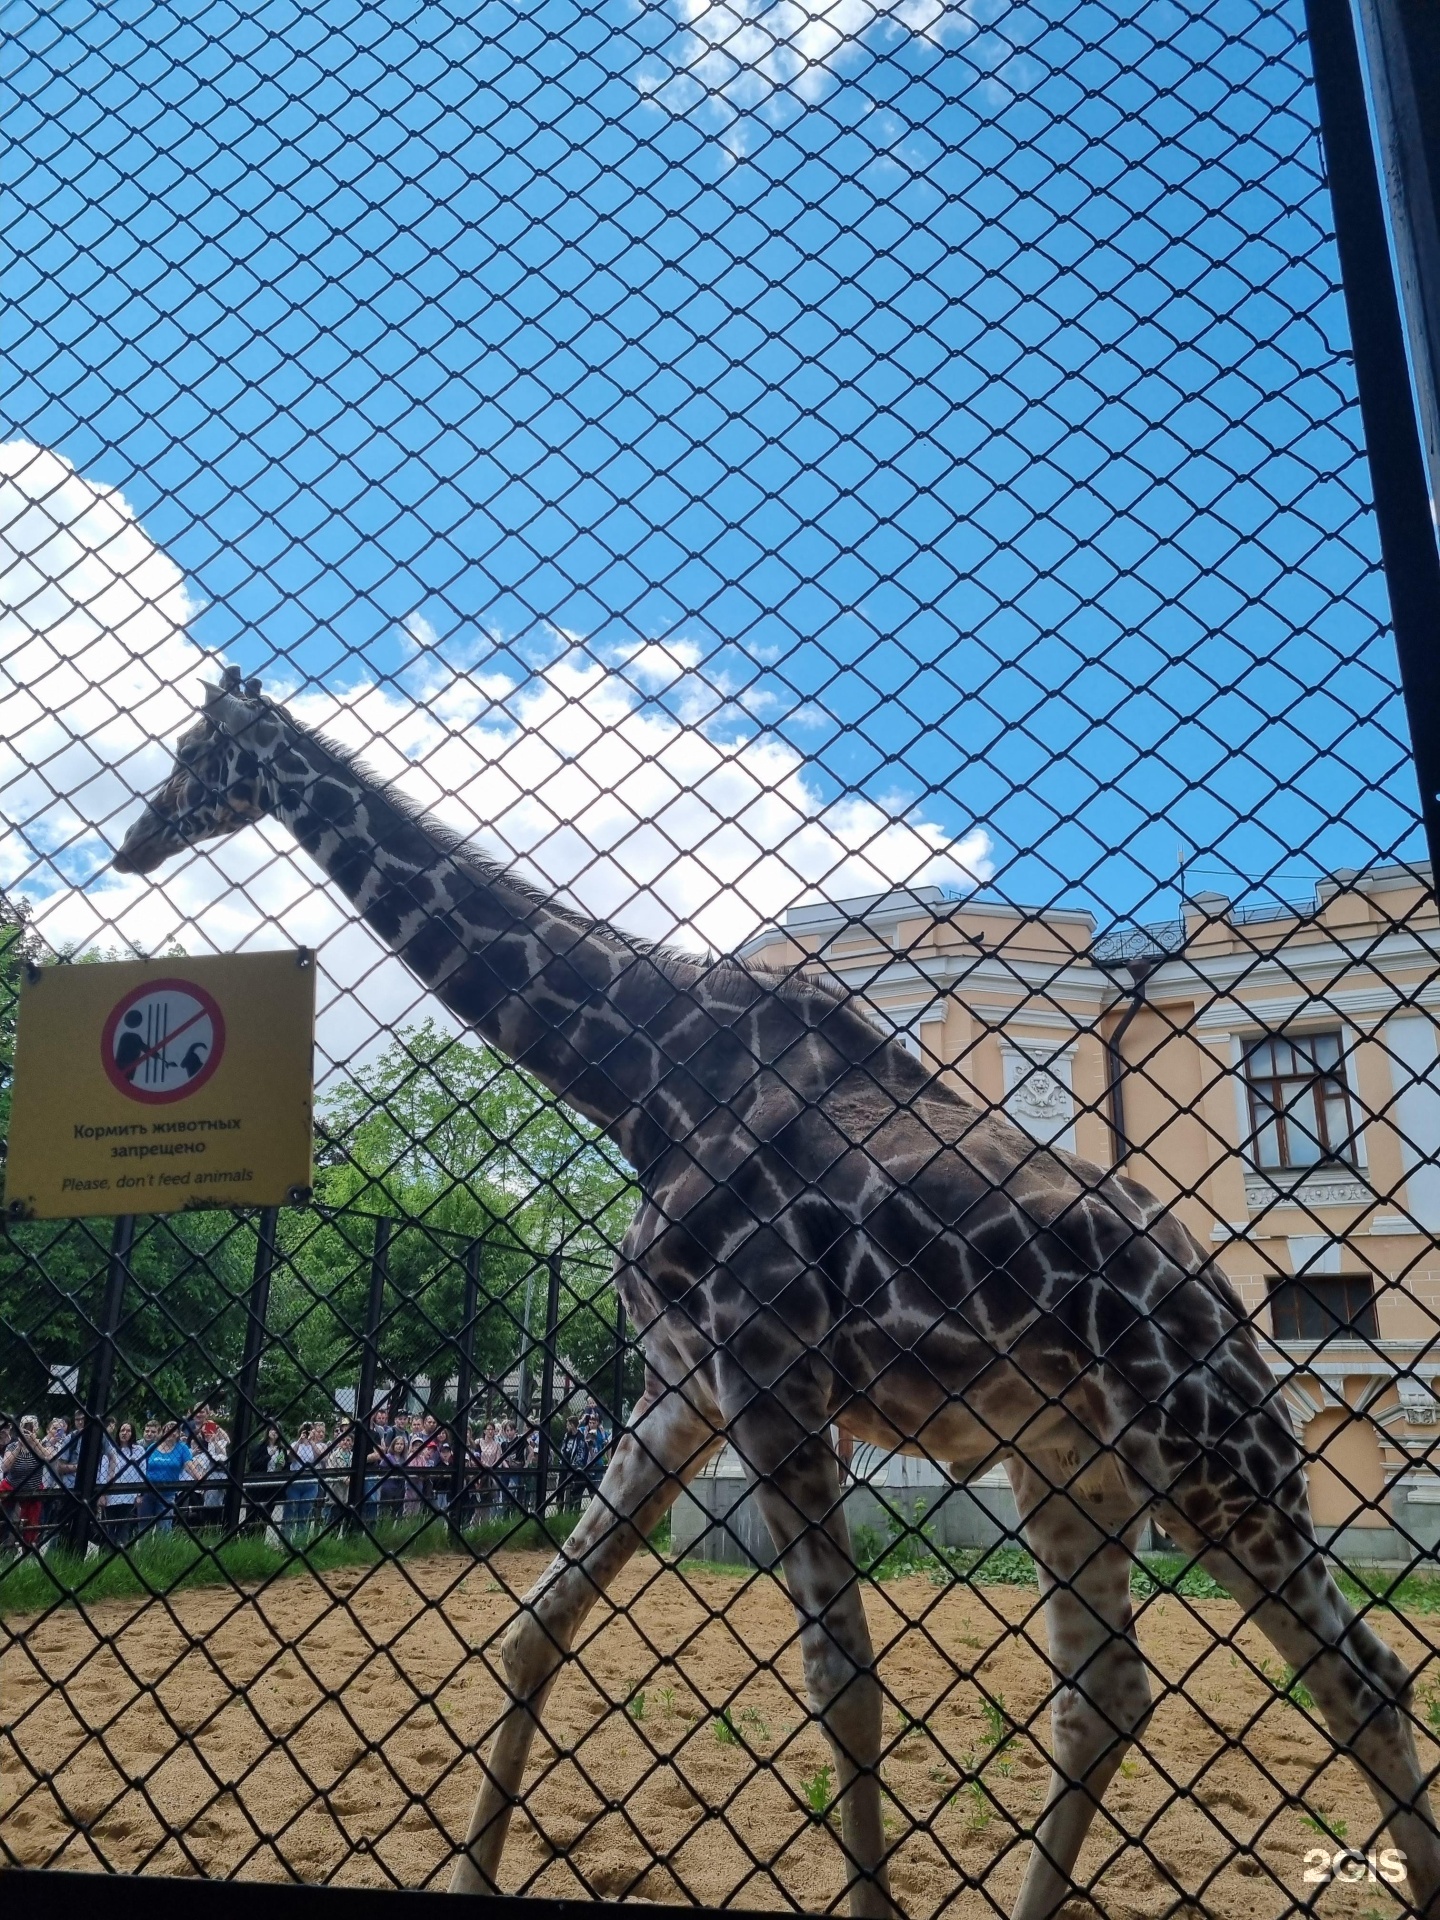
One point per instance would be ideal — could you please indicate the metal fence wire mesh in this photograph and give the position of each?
(791, 604)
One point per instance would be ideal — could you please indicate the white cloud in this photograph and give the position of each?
(610, 778)
(741, 57)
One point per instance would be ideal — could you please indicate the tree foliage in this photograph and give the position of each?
(469, 1157)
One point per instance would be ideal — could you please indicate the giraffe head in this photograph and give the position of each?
(220, 781)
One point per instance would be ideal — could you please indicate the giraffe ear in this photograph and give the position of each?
(223, 711)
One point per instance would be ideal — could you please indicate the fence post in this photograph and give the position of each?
(547, 1386)
(1382, 380)
(617, 1382)
(247, 1412)
(464, 1385)
(101, 1373)
(369, 1365)
(527, 1347)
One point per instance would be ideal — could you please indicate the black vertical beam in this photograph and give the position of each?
(1387, 408)
(247, 1411)
(100, 1374)
(464, 1385)
(1400, 44)
(547, 1385)
(617, 1383)
(369, 1366)
(527, 1348)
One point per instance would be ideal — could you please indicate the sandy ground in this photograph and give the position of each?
(326, 1731)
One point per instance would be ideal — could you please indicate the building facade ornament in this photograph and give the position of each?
(1039, 1093)
(1319, 1190)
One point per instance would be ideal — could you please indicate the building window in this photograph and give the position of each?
(1299, 1103)
(1324, 1306)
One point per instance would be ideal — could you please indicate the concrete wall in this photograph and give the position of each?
(718, 1519)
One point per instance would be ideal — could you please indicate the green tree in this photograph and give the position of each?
(450, 1137)
(447, 1139)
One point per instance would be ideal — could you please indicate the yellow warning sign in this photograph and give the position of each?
(145, 1086)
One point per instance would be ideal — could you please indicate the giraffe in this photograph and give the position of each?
(829, 1239)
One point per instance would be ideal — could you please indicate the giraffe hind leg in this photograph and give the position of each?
(798, 1490)
(664, 1449)
(1273, 1567)
(1081, 1530)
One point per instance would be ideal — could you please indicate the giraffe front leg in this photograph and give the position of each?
(799, 1496)
(1102, 1696)
(664, 1449)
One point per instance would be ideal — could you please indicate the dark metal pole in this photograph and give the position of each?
(1387, 408)
(1401, 42)
(247, 1412)
(1140, 971)
(527, 1347)
(369, 1366)
(101, 1374)
(617, 1384)
(547, 1386)
(464, 1387)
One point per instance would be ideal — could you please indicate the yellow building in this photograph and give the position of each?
(1272, 1074)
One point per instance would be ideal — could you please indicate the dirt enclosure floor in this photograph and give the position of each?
(325, 1730)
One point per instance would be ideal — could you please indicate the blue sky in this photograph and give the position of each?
(969, 395)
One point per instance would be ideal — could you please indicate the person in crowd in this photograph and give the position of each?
(7, 1516)
(122, 1475)
(65, 1442)
(472, 1478)
(490, 1451)
(57, 1433)
(597, 1449)
(323, 1448)
(267, 1452)
(574, 1458)
(376, 1438)
(512, 1478)
(425, 1464)
(334, 1463)
(167, 1470)
(392, 1490)
(264, 1459)
(149, 1505)
(25, 1471)
(415, 1478)
(212, 1451)
(304, 1491)
(65, 1465)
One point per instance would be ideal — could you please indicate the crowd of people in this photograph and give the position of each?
(153, 1473)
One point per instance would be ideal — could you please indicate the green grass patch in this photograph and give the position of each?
(1173, 1573)
(1404, 1593)
(993, 1566)
(166, 1563)
(896, 1550)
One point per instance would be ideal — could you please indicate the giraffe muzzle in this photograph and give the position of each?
(148, 844)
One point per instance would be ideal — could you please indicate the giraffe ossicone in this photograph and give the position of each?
(829, 1238)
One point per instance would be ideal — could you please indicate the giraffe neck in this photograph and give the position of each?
(599, 1018)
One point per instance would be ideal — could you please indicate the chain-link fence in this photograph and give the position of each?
(791, 604)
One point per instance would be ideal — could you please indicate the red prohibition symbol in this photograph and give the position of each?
(162, 1041)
